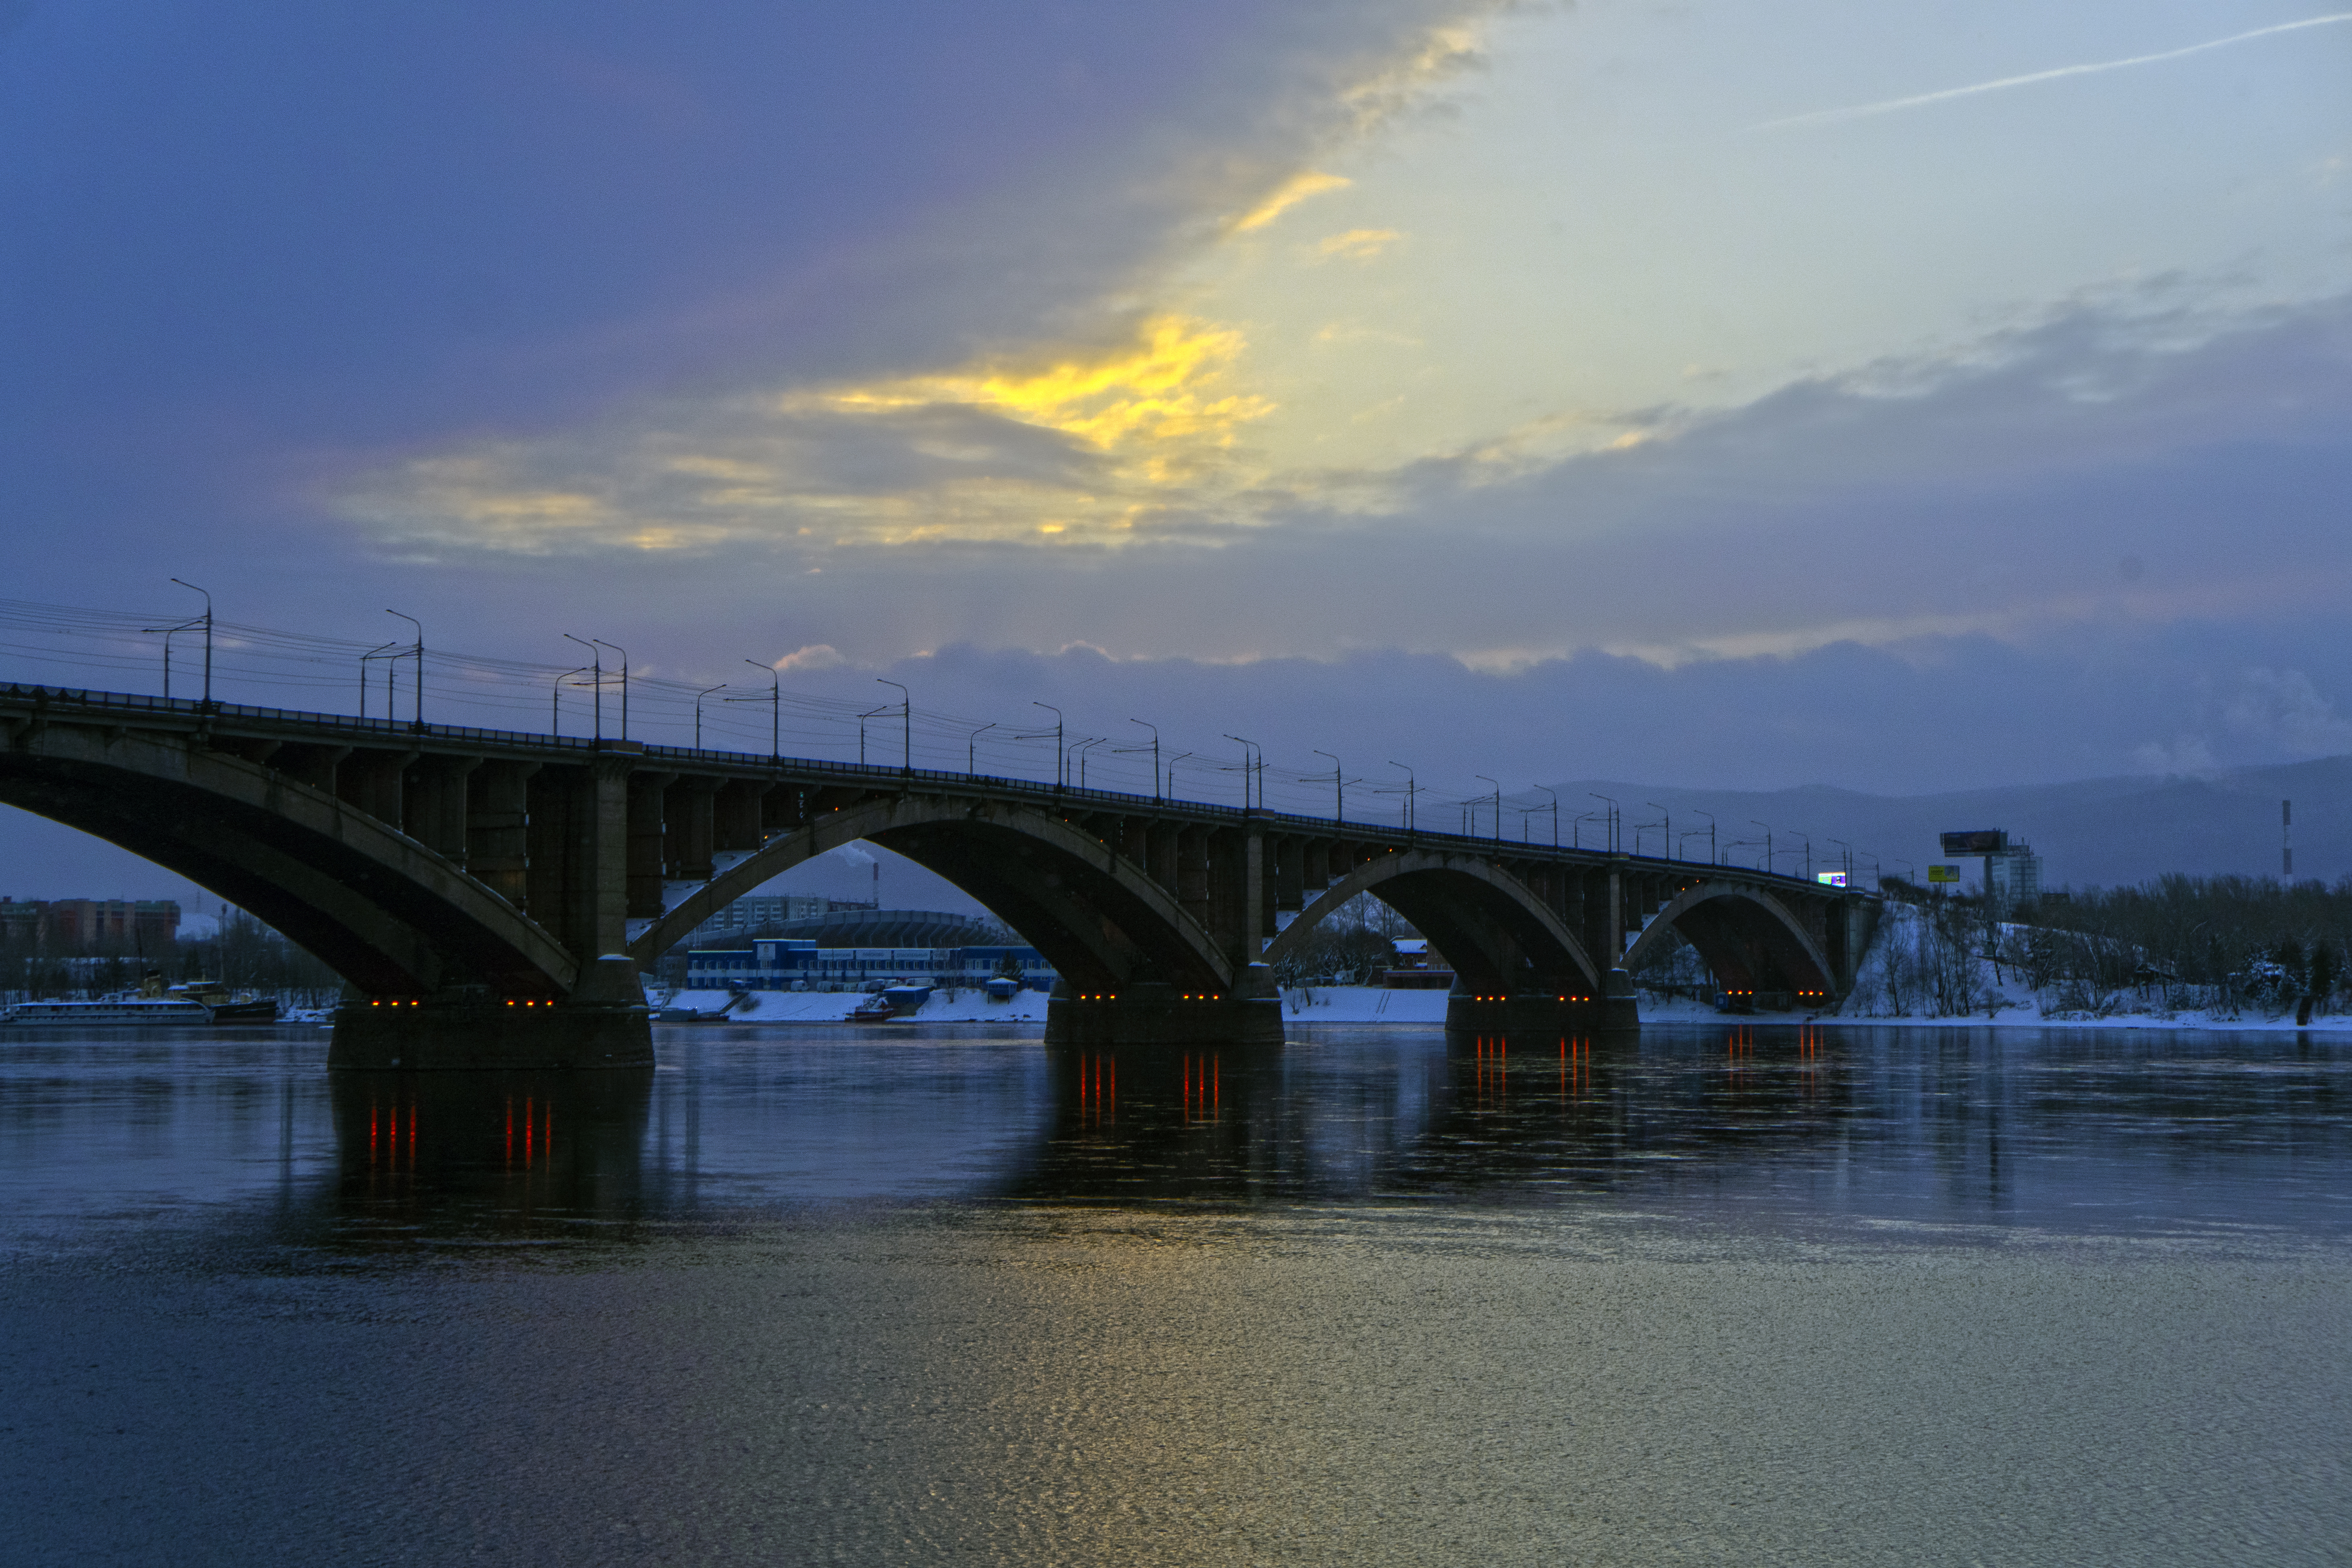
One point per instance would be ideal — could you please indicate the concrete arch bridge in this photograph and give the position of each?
(481, 886)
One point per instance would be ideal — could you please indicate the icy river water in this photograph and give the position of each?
(1729, 1294)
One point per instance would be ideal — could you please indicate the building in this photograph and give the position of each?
(2014, 878)
(129, 925)
(762, 912)
(798, 963)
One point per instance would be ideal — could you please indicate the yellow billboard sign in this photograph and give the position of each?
(1943, 873)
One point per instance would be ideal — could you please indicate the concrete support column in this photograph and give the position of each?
(311, 765)
(370, 781)
(1191, 880)
(579, 855)
(646, 842)
(437, 801)
(690, 830)
(735, 817)
(1290, 873)
(497, 812)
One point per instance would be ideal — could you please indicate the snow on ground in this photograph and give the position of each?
(2013, 1006)
(1362, 1005)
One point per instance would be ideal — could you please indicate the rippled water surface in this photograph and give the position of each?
(1747, 1294)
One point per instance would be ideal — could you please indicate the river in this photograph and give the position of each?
(1754, 1293)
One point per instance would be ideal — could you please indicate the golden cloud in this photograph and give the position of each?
(1285, 197)
(1356, 244)
(1100, 445)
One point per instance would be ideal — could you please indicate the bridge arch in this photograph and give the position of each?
(1748, 937)
(1499, 937)
(387, 913)
(1094, 915)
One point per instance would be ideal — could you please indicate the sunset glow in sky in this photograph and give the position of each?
(1725, 395)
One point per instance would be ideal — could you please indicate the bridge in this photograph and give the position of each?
(491, 896)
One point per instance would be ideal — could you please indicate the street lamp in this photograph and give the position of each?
(207, 619)
(775, 708)
(869, 713)
(554, 699)
(1667, 821)
(1498, 807)
(1849, 857)
(1611, 819)
(1809, 854)
(377, 652)
(1712, 858)
(1555, 810)
(972, 750)
(616, 648)
(906, 728)
(1079, 750)
(1576, 827)
(596, 665)
(1171, 772)
(1247, 770)
(1155, 753)
(1338, 786)
(1768, 841)
(1411, 795)
(697, 710)
(418, 720)
(1061, 762)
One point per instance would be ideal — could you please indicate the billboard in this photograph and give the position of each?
(1943, 873)
(1976, 841)
(1833, 879)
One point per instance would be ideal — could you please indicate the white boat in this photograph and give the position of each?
(157, 1012)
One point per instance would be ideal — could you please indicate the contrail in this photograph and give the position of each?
(1828, 116)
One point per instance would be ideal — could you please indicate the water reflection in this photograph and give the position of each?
(2114, 1131)
(501, 1152)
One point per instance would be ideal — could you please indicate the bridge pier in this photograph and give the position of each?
(1159, 1014)
(604, 1024)
(1612, 1012)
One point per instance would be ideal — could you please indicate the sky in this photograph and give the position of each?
(1898, 398)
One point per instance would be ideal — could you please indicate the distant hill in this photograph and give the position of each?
(2095, 832)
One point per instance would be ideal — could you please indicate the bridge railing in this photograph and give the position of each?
(859, 774)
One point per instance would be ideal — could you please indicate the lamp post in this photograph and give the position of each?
(1498, 807)
(1768, 841)
(1849, 857)
(554, 701)
(1247, 770)
(1079, 750)
(616, 648)
(170, 632)
(1576, 827)
(207, 619)
(905, 727)
(1411, 795)
(376, 652)
(1061, 762)
(596, 666)
(1667, 821)
(1338, 786)
(1611, 819)
(869, 713)
(1171, 772)
(972, 750)
(417, 720)
(775, 708)
(1155, 753)
(1809, 854)
(1555, 810)
(1711, 857)
(697, 710)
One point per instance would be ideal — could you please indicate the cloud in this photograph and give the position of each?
(1356, 244)
(2004, 84)
(1289, 194)
(1098, 446)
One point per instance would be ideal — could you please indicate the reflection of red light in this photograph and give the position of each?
(529, 1116)
(510, 1129)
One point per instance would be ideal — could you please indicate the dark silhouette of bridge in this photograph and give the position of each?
(491, 895)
